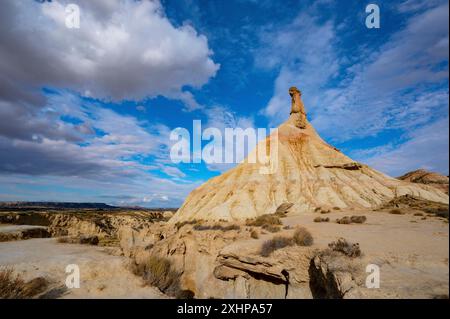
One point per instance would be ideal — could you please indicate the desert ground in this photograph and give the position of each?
(103, 275)
(142, 255)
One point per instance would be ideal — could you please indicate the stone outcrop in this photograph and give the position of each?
(83, 223)
(10, 233)
(298, 112)
(335, 277)
(422, 176)
(225, 264)
(308, 172)
(285, 274)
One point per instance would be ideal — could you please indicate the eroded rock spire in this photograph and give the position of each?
(298, 113)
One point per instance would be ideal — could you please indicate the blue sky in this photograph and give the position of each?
(86, 114)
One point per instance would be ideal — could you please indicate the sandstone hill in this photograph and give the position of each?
(309, 173)
(422, 176)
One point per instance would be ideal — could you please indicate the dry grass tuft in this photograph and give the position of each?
(321, 219)
(187, 222)
(271, 228)
(275, 243)
(345, 247)
(358, 219)
(351, 220)
(408, 202)
(111, 241)
(270, 223)
(216, 227)
(12, 286)
(302, 237)
(344, 220)
(264, 220)
(158, 272)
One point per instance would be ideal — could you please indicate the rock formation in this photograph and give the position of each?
(425, 177)
(298, 113)
(309, 173)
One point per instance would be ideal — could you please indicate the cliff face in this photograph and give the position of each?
(308, 173)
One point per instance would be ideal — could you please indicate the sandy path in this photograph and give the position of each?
(102, 275)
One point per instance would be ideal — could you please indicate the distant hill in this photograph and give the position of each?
(422, 176)
(19, 206)
(55, 205)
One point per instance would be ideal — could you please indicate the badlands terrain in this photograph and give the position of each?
(316, 224)
(138, 254)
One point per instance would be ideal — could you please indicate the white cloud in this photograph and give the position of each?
(123, 50)
(425, 148)
(372, 95)
(304, 52)
(114, 152)
(416, 5)
(111, 163)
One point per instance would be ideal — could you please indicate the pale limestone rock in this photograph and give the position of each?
(429, 178)
(309, 173)
(298, 113)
